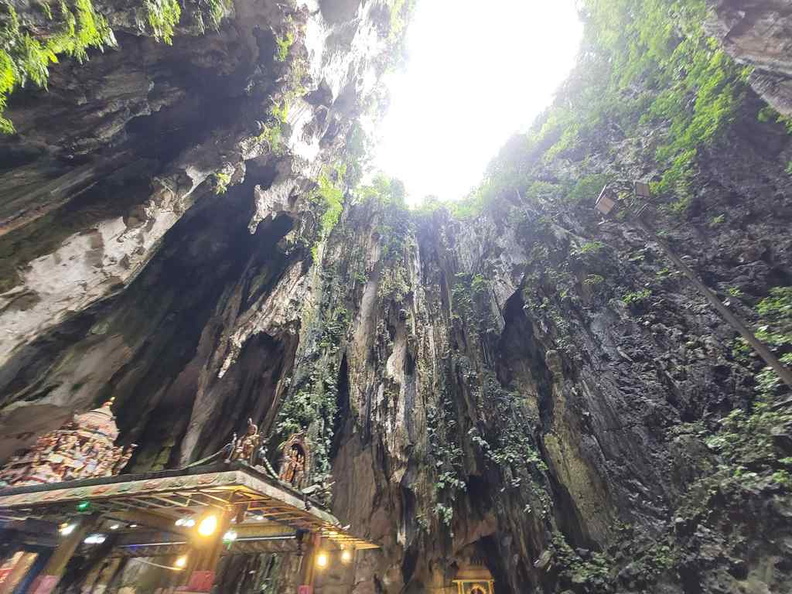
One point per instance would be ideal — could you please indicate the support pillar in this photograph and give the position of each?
(204, 557)
(309, 565)
(56, 565)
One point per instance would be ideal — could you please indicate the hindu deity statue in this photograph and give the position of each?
(82, 448)
(294, 467)
(245, 449)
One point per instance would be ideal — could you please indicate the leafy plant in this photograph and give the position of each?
(635, 297)
(271, 131)
(329, 198)
(221, 181)
(593, 280)
(590, 247)
(163, 16)
(26, 56)
(283, 45)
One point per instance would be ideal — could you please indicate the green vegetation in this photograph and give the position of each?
(221, 182)
(471, 304)
(395, 235)
(163, 16)
(272, 129)
(767, 114)
(312, 404)
(28, 50)
(734, 292)
(216, 9)
(446, 457)
(26, 56)
(399, 14)
(593, 280)
(328, 197)
(751, 455)
(717, 220)
(648, 68)
(590, 575)
(283, 45)
(749, 449)
(590, 247)
(662, 45)
(636, 297)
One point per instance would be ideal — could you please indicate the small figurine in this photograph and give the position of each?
(244, 449)
(294, 467)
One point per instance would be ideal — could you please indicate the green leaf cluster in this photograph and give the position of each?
(283, 45)
(222, 181)
(635, 297)
(163, 16)
(329, 199)
(26, 55)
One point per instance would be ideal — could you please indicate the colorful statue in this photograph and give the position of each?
(82, 448)
(244, 449)
(295, 463)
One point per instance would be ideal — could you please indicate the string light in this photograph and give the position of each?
(346, 556)
(208, 525)
(115, 526)
(322, 559)
(181, 562)
(95, 539)
(66, 529)
(229, 536)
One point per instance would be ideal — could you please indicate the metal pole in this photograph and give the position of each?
(764, 352)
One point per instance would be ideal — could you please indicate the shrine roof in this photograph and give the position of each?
(167, 495)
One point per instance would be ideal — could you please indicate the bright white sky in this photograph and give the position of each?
(477, 73)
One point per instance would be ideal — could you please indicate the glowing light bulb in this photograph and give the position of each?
(115, 526)
(208, 525)
(322, 559)
(66, 529)
(346, 556)
(181, 562)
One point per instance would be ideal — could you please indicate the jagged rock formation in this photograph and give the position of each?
(118, 174)
(758, 33)
(532, 386)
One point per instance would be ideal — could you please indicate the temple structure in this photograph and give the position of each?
(82, 448)
(63, 497)
(474, 578)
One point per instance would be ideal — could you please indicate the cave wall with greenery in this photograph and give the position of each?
(510, 378)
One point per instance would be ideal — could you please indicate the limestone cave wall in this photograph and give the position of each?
(531, 386)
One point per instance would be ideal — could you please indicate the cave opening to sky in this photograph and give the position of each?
(476, 73)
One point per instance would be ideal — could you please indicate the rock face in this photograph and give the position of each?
(534, 387)
(758, 33)
(148, 157)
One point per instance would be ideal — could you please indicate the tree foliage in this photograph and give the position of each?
(645, 65)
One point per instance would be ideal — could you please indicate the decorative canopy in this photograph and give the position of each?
(474, 579)
(82, 448)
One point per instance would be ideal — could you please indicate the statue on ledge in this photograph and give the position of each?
(295, 463)
(82, 448)
(246, 448)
